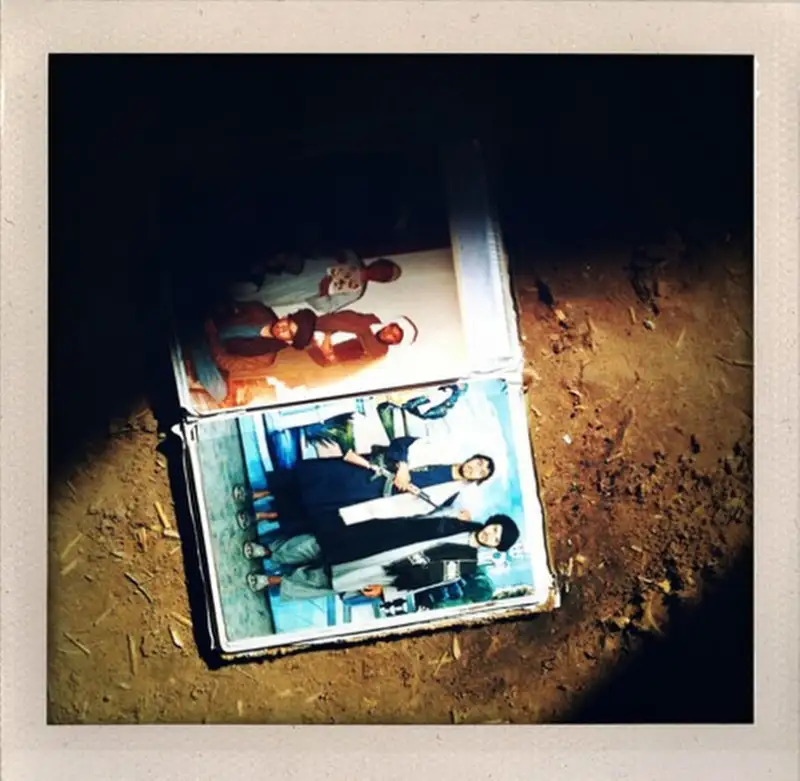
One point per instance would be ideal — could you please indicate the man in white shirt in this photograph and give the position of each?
(323, 284)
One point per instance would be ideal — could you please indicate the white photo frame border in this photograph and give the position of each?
(545, 595)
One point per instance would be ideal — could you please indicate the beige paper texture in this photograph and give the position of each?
(30, 750)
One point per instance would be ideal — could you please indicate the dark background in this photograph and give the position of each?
(182, 164)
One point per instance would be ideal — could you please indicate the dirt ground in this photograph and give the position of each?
(642, 434)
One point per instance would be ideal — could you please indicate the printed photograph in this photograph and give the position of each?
(296, 327)
(351, 512)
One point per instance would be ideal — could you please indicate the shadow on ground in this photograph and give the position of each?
(698, 672)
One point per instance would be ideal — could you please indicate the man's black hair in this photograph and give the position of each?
(489, 466)
(306, 321)
(510, 533)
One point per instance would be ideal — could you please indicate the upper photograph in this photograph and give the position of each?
(364, 285)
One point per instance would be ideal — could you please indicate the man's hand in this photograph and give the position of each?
(326, 348)
(372, 592)
(351, 457)
(464, 515)
(402, 479)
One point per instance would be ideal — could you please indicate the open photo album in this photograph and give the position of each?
(355, 433)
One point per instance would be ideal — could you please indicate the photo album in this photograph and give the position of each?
(355, 436)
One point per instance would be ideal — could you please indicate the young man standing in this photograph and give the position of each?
(327, 492)
(404, 553)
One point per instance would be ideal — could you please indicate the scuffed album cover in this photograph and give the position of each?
(356, 436)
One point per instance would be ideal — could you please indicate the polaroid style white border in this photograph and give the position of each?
(489, 322)
(544, 593)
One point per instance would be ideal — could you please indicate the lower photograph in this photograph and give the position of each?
(355, 516)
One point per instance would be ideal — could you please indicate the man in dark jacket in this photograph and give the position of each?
(311, 496)
(406, 553)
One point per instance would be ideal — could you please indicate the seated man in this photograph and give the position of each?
(399, 552)
(253, 330)
(351, 337)
(245, 339)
